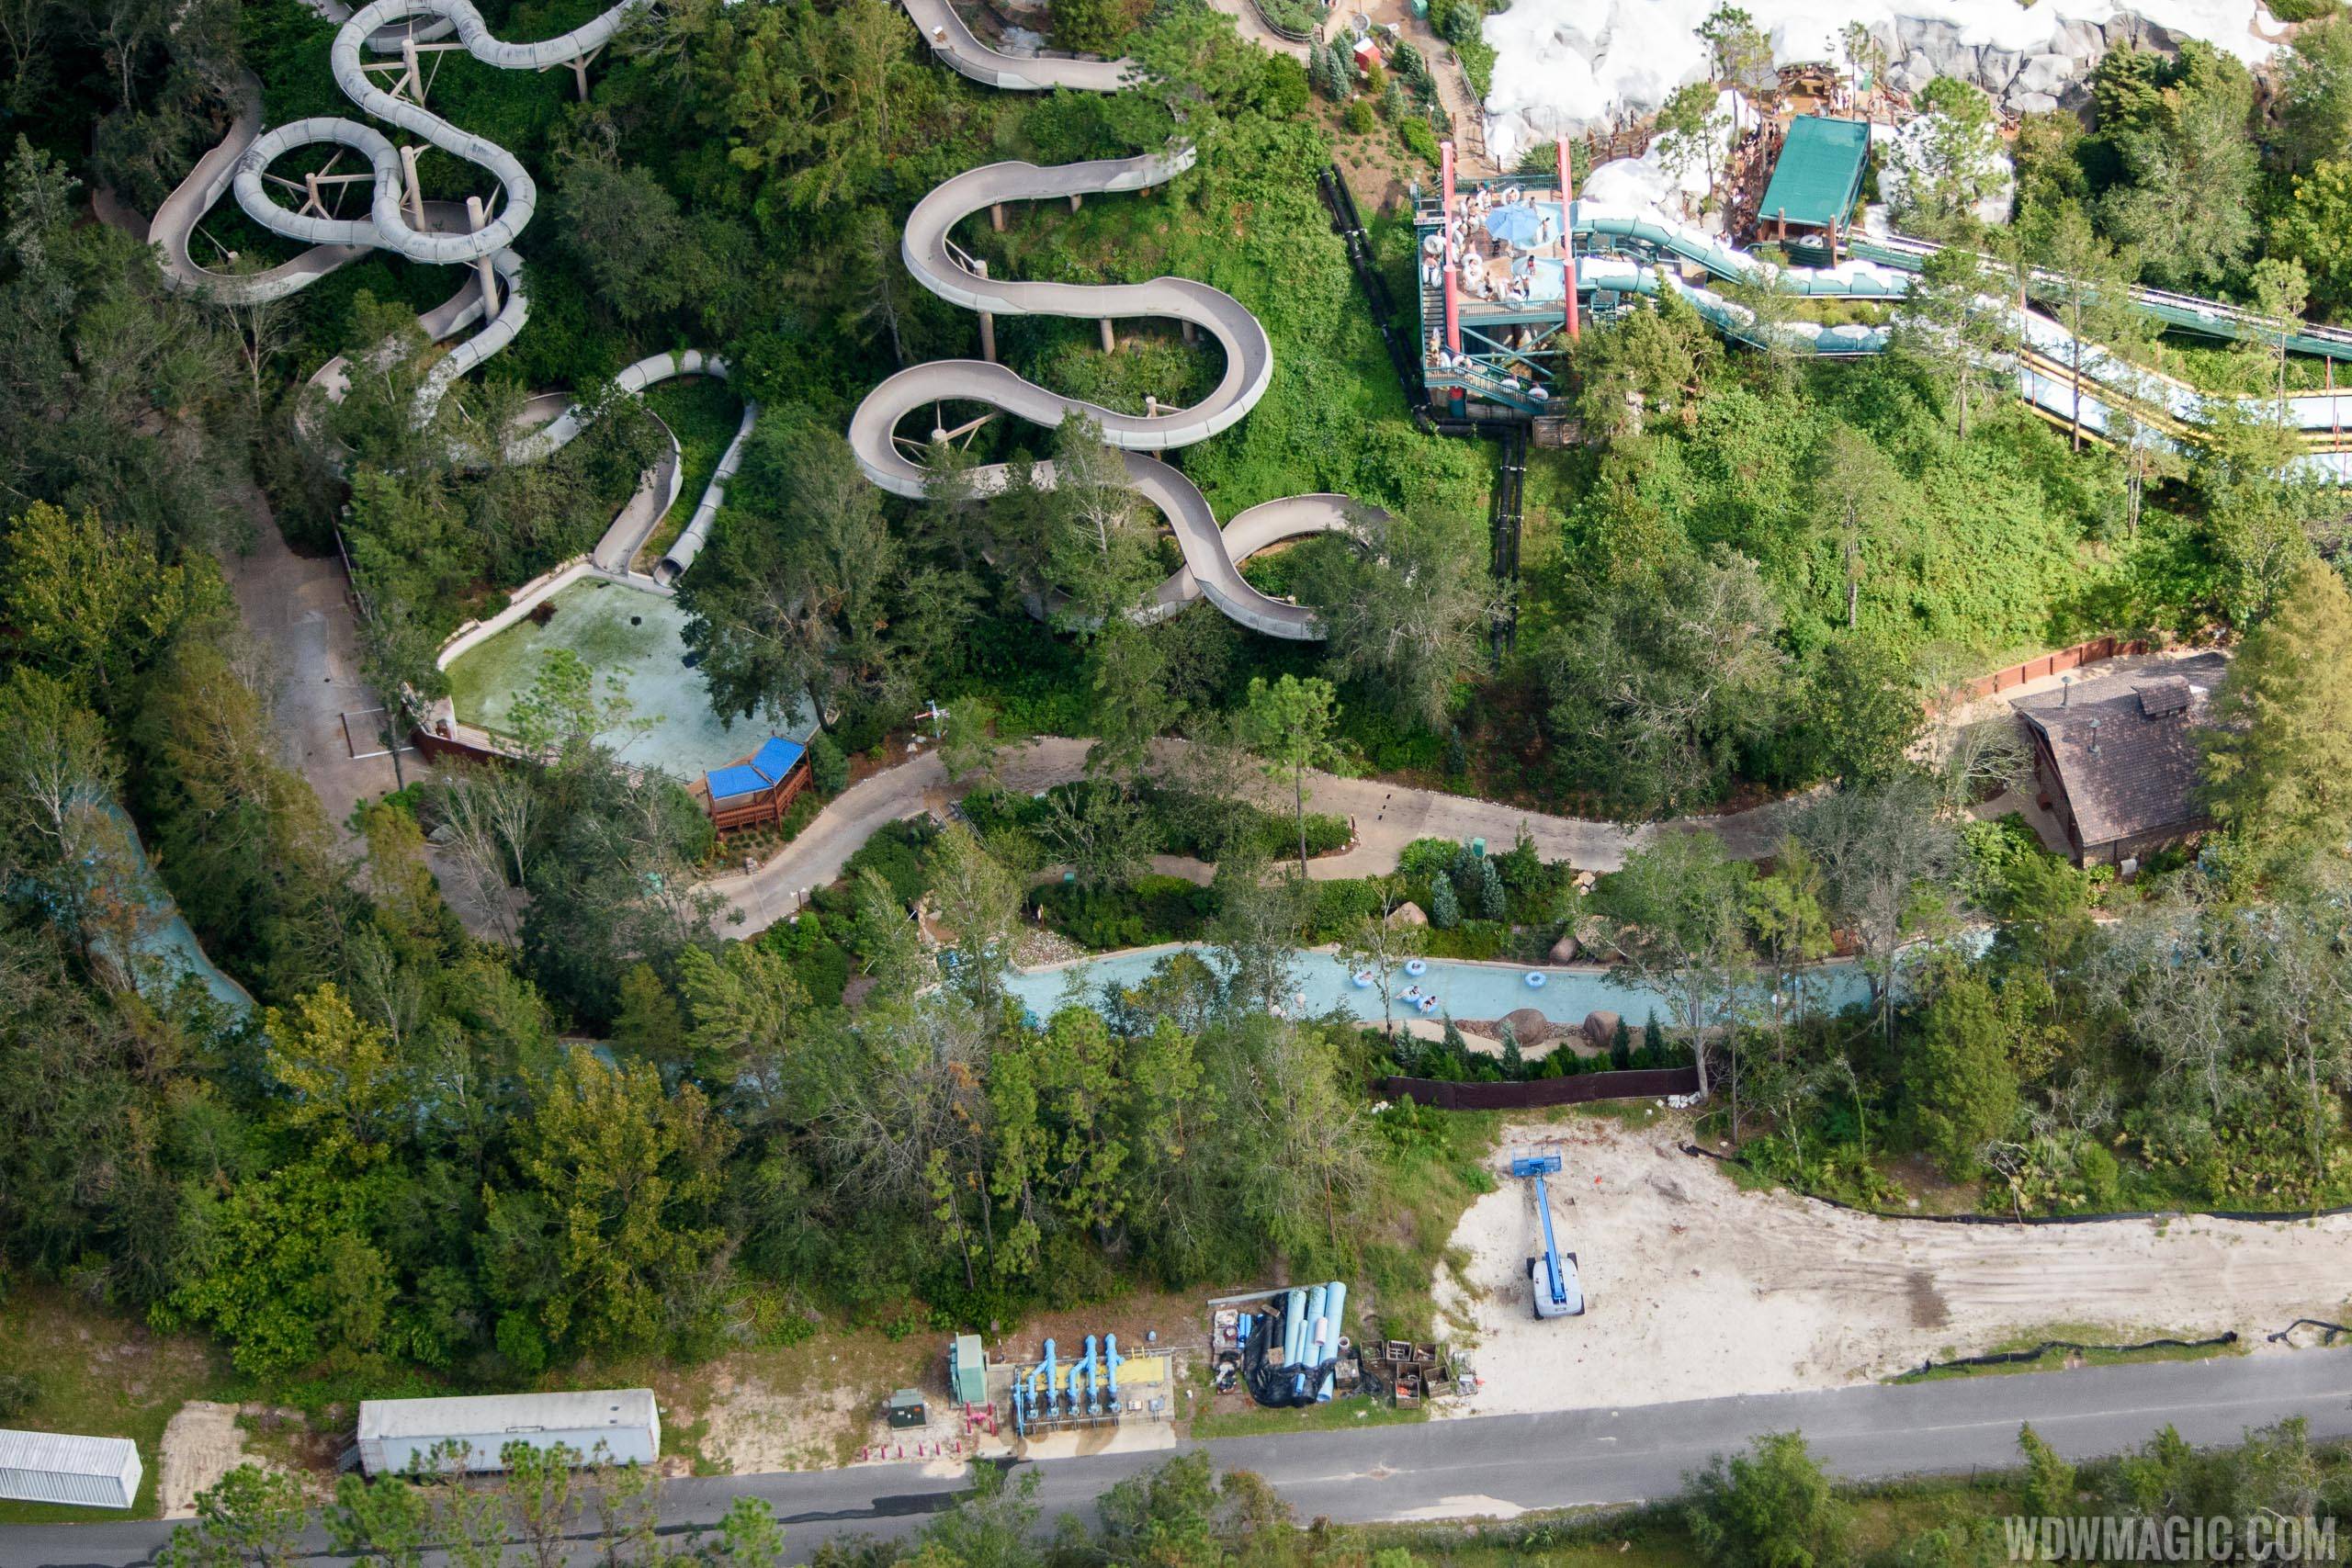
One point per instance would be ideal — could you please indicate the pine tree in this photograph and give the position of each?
(1317, 67)
(1621, 1046)
(1331, 76)
(1454, 1046)
(1652, 1043)
(1488, 900)
(1514, 1059)
(1445, 906)
(2278, 750)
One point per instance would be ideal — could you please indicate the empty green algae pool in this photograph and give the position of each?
(633, 643)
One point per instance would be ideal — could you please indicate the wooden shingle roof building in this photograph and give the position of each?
(2116, 758)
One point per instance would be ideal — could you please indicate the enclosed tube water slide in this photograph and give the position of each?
(1212, 556)
(441, 233)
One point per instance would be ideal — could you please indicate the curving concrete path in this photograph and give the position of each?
(1212, 555)
(1388, 817)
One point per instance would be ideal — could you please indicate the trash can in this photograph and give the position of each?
(1478, 848)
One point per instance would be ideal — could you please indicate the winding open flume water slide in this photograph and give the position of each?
(1212, 555)
(440, 233)
(2104, 394)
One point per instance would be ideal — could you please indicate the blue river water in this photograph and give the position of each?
(1462, 989)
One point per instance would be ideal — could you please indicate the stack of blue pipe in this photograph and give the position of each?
(1311, 1320)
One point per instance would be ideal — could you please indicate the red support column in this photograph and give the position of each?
(1445, 217)
(1567, 234)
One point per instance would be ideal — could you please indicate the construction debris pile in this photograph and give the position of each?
(1407, 1372)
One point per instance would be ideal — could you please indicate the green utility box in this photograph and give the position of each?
(968, 1370)
(906, 1408)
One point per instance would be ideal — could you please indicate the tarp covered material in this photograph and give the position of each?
(775, 759)
(1820, 174)
(1279, 1388)
(741, 778)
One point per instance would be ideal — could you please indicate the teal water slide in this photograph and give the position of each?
(2115, 401)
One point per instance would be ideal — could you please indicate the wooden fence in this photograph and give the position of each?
(1582, 1088)
(2049, 664)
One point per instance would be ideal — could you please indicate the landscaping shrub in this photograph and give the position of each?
(1147, 910)
(1340, 905)
(898, 853)
(827, 764)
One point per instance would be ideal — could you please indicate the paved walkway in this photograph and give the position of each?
(1388, 817)
(297, 609)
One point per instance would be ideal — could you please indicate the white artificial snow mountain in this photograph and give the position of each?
(1562, 65)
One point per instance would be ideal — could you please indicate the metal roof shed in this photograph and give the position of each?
(396, 1434)
(59, 1467)
(1818, 176)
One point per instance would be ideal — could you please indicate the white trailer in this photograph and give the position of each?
(602, 1426)
(59, 1467)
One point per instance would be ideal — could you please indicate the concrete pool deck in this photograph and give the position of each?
(634, 641)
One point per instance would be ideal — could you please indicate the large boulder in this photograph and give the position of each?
(1997, 68)
(2032, 103)
(2047, 73)
(1601, 1028)
(1564, 951)
(1408, 914)
(2078, 40)
(1528, 1027)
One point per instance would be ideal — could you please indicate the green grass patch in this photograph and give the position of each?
(2057, 1359)
(1432, 1168)
(1340, 1416)
(703, 414)
(102, 1373)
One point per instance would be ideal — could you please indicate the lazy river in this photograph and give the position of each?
(1463, 989)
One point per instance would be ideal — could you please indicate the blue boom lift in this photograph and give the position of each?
(1551, 1278)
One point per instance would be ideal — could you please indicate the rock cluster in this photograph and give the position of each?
(1922, 48)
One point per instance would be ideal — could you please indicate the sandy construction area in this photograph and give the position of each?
(1697, 1289)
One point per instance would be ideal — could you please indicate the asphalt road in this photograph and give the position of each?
(1501, 1465)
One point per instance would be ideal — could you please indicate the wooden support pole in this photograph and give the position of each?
(475, 218)
(1074, 199)
(415, 191)
(1191, 333)
(987, 317)
(415, 77)
(1110, 343)
(580, 76)
(996, 216)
